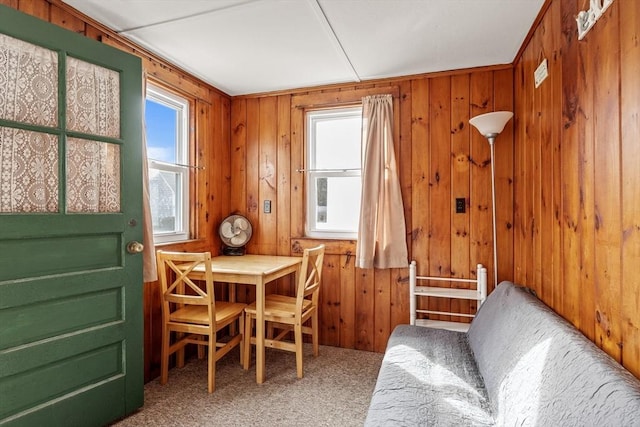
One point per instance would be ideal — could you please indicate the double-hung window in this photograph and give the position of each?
(167, 118)
(333, 172)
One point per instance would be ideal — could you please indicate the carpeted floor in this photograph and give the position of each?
(335, 391)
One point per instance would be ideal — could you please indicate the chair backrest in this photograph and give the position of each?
(176, 285)
(310, 276)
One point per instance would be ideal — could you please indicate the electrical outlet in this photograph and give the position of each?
(461, 205)
(267, 206)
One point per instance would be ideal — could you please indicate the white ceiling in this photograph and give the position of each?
(253, 46)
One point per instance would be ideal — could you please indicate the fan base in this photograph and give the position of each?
(228, 250)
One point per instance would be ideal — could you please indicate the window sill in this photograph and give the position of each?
(332, 246)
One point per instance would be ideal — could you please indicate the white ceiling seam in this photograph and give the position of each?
(322, 17)
(186, 17)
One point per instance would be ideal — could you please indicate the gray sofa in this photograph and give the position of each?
(519, 364)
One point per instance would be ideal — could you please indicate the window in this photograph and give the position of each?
(166, 116)
(333, 172)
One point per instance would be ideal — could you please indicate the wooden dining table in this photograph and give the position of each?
(257, 270)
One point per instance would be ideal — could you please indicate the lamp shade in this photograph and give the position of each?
(491, 123)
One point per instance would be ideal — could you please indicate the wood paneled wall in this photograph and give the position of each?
(441, 158)
(577, 179)
(209, 136)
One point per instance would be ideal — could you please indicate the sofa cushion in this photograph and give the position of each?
(428, 377)
(539, 370)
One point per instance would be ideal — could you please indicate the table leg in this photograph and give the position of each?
(232, 298)
(260, 363)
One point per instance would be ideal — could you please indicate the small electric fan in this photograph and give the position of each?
(235, 231)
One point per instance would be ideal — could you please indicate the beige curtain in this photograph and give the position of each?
(149, 267)
(382, 234)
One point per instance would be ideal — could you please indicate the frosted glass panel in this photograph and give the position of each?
(93, 99)
(93, 176)
(28, 83)
(28, 171)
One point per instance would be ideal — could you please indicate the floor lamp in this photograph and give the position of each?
(490, 125)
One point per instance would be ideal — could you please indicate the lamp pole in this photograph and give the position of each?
(490, 125)
(492, 139)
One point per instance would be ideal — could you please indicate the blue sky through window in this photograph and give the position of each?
(161, 123)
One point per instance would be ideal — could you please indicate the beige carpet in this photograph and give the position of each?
(335, 391)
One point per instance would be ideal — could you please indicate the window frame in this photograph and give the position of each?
(182, 105)
(311, 117)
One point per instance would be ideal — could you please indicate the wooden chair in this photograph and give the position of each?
(287, 313)
(192, 313)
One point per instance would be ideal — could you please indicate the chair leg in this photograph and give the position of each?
(164, 355)
(180, 352)
(201, 348)
(247, 341)
(314, 333)
(211, 376)
(297, 330)
(241, 332)
(270, 330)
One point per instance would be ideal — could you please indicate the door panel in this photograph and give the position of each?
(70, 200)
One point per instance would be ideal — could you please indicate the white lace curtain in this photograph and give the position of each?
(28, 160)
(381, 234)
(29, 180)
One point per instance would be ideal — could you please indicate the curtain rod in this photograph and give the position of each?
(328, 170)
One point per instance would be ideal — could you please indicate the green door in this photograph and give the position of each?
(70, 201)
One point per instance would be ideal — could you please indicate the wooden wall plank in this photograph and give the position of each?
(382, 309)
(530, 162)
(10, 3)
(64, 19)
(440, 198)
(399, 287)
(608, 205)
(200, 155)
(546, 158)
(365, 309)
(37, 8)
(283, 182)
(330, 301)
(534, 165)
(252, 172)
(460, 178)
(238, 183)
(570, 165)
(555, 70)
(420, 216)
(266, 223)
(297, 219)
(630, 178)
(222, 171)
(347, 301)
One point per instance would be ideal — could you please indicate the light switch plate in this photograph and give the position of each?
(267, 206)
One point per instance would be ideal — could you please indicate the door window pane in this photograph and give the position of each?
(93, 99)
(28, 171)
(28, 83)
(93, 176)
